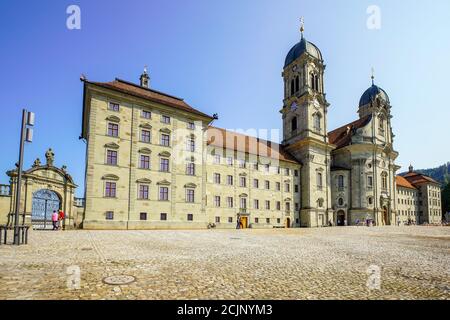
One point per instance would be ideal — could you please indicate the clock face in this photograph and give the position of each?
(294, 68)
(294, 106)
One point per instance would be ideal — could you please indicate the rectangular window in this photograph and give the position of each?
(146, 114)
(165, 119)
(267, 185)
(113, 129)
(110, 189)
(230, 180)
(217, 158)
(146, 136)
(255, 183)
(267, 205)
(255, 204)
(256, 220)
(163, 217)
(278, 205)
(288, 207)
(243, 204)
(143, 192)
(217, 201)
(165, 140)
(241, 163)
(143, 216)
(113, 106)
(217, 219)
(144, 162)
(296, 173)
(278, 186)
(191, 125)
(370, 181)
(109, 215)
(163, 193)
(256, 166)
(164, 165)
(267, 167)
(230, 202)
(278, 220)
(230, 161)
(296, 206)
(190, 145)
(217, 178)
(190, 169)
(190, 217)
(287, 187)
(243, 182)
(230, 220)
(190, 195)
(288, 172)
(268, 220)
(296, 188)
(111, 157)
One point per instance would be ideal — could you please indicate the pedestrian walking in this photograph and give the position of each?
(61, 217)
(55, 217)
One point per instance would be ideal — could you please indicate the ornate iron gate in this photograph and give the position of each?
(44, 203)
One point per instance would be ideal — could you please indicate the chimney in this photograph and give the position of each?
(145, 79)
(411, 168)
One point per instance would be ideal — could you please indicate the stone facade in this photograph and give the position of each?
(155, 162)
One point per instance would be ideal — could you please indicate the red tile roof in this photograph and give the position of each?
(342, 136)
(402, 182)
(416, 178)
(149, 94)
(225, 139)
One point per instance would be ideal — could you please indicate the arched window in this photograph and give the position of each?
(319, 180)
(297, 84)
(316, 82)
(320, 203)
(341, 202)
(294, 124)
(312, 80)
(341, 182)
(292, 87)
(316, 121)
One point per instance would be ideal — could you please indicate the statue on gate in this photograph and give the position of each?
(50, 156)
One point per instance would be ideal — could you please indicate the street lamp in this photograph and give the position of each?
(26, 135)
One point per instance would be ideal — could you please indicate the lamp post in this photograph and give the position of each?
(26, 135)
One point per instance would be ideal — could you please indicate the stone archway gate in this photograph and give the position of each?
(44, 188)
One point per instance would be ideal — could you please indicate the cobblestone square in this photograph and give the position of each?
(325, 263)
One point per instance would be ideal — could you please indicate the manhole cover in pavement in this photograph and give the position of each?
(119, 280)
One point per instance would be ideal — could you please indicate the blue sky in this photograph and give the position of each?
(224, 57)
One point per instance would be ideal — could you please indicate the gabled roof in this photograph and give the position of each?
(402, 182)
(225, 139)
(342, 136)
(148, 94)
(416, 178)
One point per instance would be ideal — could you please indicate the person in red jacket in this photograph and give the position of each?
(61, 217)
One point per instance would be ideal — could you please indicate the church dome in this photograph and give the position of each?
(300, 48)
(371, 94)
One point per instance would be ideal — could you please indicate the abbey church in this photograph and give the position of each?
(155, 162)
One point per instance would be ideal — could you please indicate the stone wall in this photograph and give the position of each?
(5, 204)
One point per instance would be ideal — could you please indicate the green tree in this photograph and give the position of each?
(446, 199)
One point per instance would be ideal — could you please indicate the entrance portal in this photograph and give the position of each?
(341, 218)
(288, 223)
(44, 203)
(243, 222)
(385, 216)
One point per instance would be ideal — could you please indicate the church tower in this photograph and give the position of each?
(305, 136)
